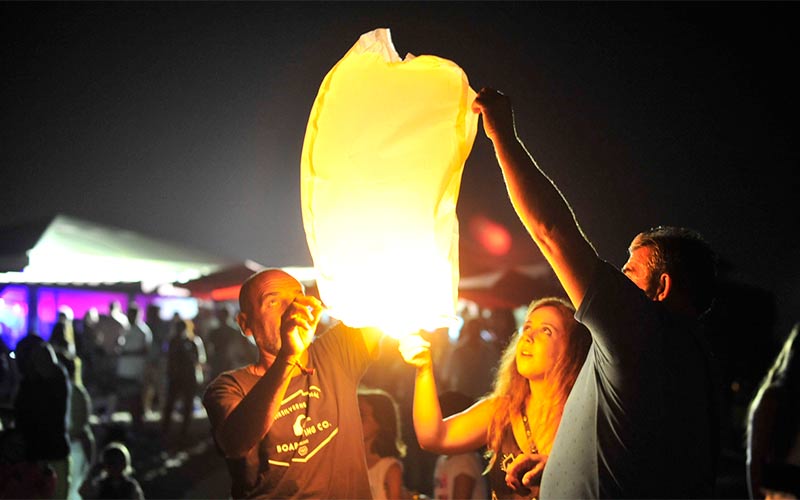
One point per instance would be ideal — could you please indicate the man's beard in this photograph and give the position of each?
(272, 345)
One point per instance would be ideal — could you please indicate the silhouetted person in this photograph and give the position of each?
(773, 427)
(90, 349)
(19, 476)
(502, 324)
(111, 327)
(641, 419)
(109, 330)
(227, 347)
(112, 477)
(185, 358)
(134, 349)
(470, 366)
(81, 438)
(62, 337)
(9, 377)
(153, 383)
(42, 408)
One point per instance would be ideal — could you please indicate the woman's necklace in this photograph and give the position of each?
(534, 450)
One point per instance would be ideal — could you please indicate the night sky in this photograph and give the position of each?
(185, 121)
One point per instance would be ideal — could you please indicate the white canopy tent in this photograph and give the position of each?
(65, 250)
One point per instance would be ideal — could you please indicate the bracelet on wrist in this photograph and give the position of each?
(295, 363)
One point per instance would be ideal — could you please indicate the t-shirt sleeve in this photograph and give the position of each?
(345, 344)
(221, 397)
(618, 314)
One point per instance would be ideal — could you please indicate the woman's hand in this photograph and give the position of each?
(415, 350)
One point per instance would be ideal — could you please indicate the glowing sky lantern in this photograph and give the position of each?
(381, 168)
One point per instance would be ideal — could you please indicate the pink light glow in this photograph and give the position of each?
(13, 314)
(80, 301)
(14, 308)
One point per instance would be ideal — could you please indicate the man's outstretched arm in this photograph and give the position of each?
(539, 204)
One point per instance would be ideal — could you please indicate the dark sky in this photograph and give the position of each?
(185, 120)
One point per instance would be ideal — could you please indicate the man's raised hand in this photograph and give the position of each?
(298, 324)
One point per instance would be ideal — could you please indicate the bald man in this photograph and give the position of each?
(288, 425)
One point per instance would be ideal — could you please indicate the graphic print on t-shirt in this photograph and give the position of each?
(299, 436)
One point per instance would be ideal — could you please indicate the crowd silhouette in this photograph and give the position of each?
(103, 384)
(111, 372)
(59, 398)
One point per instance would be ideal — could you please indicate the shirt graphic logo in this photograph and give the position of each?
(298, 425)
(303, 458)
(310, 435)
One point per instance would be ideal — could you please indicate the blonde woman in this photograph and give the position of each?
(518, 420)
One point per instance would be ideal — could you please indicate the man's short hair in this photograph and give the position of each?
(687, 258)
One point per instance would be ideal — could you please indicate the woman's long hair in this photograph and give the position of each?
(511, 390)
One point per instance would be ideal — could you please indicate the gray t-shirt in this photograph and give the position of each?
(639, 421)
(315, 446)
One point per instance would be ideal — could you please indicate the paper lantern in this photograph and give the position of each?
(381, 168)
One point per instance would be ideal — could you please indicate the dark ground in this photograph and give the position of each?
(192, 468)
(173, 467)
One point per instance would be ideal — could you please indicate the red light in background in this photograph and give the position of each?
(493, 237)
(226, 293)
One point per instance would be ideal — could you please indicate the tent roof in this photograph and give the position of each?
(68, 250)
(224, 283)
(511, 288)
(226, 277)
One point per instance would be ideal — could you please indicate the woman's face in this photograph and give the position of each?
(368, 421)
(543, 339)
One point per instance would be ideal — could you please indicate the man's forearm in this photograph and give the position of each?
(547, 216)
(537, 201)
(252, 418)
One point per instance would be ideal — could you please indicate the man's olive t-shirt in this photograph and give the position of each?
(314, 449)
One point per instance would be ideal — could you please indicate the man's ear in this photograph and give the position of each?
(664, 287)
(241, 320)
